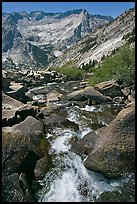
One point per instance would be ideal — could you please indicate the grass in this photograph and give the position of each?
(120, 66)
(70, 71)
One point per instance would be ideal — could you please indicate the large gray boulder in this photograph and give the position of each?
(86, 144)
(22, 145)
(42, 167)
(89, 93)
(58, 121)
(114, 152)
(15, 190)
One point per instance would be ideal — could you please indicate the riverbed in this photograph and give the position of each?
(69, 180)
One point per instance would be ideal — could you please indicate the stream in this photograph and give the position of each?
(69, 180)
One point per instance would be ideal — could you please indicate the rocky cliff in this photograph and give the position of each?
(101, 42)
(37, 38)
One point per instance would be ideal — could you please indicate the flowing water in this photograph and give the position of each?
(69, 180)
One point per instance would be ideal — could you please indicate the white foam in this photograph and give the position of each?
(61, 143)
(88, 108)
(72, 181)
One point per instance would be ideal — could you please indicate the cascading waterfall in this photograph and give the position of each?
(69, 180)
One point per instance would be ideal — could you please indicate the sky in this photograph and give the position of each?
(113, 9)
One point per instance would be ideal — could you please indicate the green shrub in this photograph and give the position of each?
(71, 71)
(120, 66)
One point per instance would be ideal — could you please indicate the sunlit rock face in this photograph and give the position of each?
(38, 38)
(101, 42)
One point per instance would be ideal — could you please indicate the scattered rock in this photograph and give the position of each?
(126, 91)
(9, 118)
(118, 100)
(58, 120)
(53, 96)
(9, 108)
(10, 103)
(14, 111)
(109, 88)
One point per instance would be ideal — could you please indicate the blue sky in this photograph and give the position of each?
(103, 8)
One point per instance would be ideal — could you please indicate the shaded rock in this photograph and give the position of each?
(81, 104)
(30, 125)
(115, 196)
(89, 93)
(86, 144)
(14, 111)
(109, 88)
(10, 103)
(22, 142)
(58, 120)
(42, 167)
(114, 152)
(27, 110)
(26, 187)
(54, 108)
(36, 132)
(9, 108)
(73, 139)
(9, 118)
(11, 189)
(27, 81)
(25, 72)
(14, 150)
(17, 91)
(124, 193)
(5, 83)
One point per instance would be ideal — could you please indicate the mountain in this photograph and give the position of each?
(101, 42)
(38, 38)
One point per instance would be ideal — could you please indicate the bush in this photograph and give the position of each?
(71, 71)
(120, 66)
